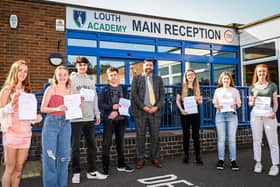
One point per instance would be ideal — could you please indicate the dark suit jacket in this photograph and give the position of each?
(138, 88)
(105, 101)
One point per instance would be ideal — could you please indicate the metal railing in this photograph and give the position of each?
(171, 115)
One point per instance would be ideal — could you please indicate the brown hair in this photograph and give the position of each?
(196, 88)
(55, 79)
(112, 69)
(12, 79)
(255, 76)
(225, 73)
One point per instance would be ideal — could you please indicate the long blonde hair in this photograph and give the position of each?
(220, 82)
(196, 88)
(55, 79)
(12, 79)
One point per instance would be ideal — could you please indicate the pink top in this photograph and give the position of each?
(19, 134)
(55, 101)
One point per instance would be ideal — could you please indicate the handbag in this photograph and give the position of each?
(5, 117)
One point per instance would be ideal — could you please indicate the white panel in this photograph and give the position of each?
(261, 32)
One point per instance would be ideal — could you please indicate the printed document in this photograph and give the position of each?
(190, 105)
(262, 106)
(88, 94)
(124, 109)
(227, 105)
(73, 104)
(27, 106)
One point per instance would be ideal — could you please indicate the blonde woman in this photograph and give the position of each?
(17, 138)
(226, 101)
(190, 87)
(56, 134)
(263, 88)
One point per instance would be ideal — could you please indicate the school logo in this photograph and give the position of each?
(228, 35)
(79, 17)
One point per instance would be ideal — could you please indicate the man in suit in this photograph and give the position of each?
(147, 97)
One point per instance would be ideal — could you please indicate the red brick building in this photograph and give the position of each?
(33, 40)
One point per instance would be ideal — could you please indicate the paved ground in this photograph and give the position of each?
(181, 174)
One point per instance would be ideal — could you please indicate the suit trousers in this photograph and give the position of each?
(153, 123)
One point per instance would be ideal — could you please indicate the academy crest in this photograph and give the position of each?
(79, 17)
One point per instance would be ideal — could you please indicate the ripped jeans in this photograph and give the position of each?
(56, 151)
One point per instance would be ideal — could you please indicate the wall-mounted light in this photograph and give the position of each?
(13, 21)
(56, 59)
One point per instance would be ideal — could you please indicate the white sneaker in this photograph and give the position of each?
(274, 170)
(96, 175)
(258, 167)
(76, 178)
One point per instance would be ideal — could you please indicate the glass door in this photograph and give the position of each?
(127, 69)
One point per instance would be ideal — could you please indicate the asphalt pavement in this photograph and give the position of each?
(175, 173)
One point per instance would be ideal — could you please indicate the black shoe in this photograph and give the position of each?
(106, 171)
(186, 160)
(234, 166)
(220, 165)
(199, 161)
(125, 168)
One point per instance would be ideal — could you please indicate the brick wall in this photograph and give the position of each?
(34, 39)
(170, 145)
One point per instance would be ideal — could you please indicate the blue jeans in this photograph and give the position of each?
(56, 151)
(226, 124)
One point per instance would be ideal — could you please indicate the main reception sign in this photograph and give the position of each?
(110, 22)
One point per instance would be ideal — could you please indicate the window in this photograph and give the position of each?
(170, 71)
(259, 51)
(199, 52)
(249, 72)
(105, 64)
(169, 49)
(219, 68)
(163, 71)
(81, 42)
(224, 54)
(127, 46)
(202, 71)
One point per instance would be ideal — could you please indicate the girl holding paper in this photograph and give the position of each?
(226, 100)
(56, 134)
(191, 91)
(263, 97)
(16, 133)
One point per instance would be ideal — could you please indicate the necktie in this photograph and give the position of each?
(151, 91)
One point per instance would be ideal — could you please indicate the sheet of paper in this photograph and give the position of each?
(27, 106)
(88, 94)
(262, 106)
(226, 103)
(73, 104)
(190, 105)
(125, 104)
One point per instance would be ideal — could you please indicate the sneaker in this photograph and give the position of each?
(76, 178)
(274, 170)
(258, 167)
(96, 175)
(126, 168)
(220, 165)
(234, 166)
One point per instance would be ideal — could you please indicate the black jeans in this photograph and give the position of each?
(110, 127)
(88, 130)
(194, 121)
